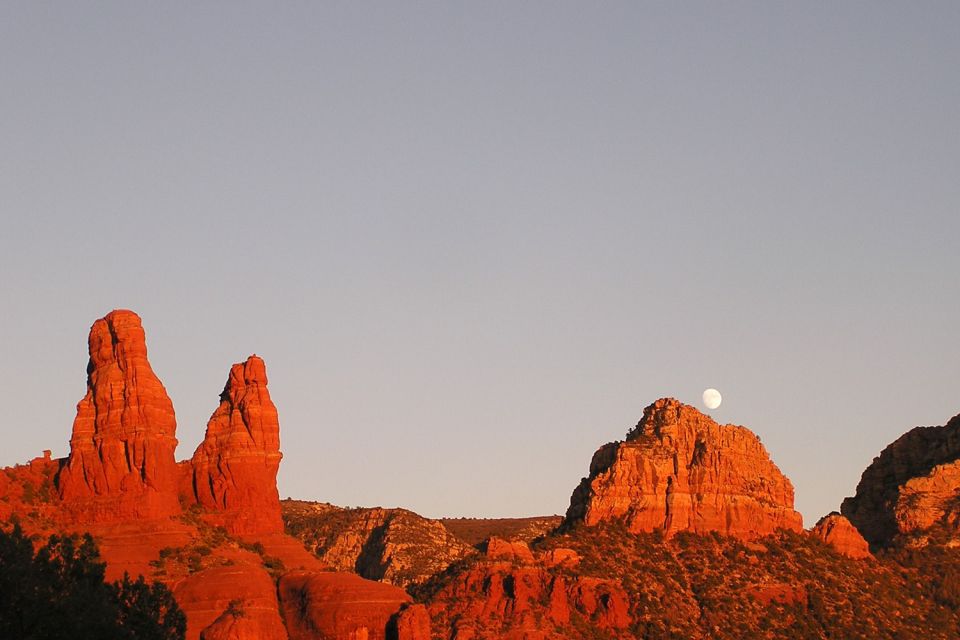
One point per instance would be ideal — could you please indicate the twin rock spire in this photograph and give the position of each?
(122, 464)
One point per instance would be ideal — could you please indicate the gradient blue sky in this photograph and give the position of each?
(473, 241)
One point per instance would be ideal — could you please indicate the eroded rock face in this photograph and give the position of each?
(837, 531)
(411, 623)
(338, 606)
(235, 467)
(390, 545)
(121, 463)
(231, 602)
(499, 599)
(678, 470)
(912, 485)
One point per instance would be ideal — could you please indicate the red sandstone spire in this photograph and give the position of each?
(235, 467)
(121, 462)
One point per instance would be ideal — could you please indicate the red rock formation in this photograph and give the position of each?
(235, 467)
(412, 623)
(121, 464)
(911, 486)
(497, 599)
(678, 470)
(338, 606)
(389, 545)
(239, 599)
(837, 531)
(511, 551)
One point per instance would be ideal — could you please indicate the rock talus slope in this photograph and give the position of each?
(678, 470)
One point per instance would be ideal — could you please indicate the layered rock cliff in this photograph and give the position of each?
(234, 470)
(678, 470)
(911, 486)
(121, 463)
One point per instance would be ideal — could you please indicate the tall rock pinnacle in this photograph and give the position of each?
(235, 467)
(678, 470)
(121, 462)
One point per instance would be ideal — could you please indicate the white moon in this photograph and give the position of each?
(712, 398)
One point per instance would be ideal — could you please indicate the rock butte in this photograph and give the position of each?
(678, 470)
(911, 486)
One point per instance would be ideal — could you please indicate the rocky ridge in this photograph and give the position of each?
(395, 546)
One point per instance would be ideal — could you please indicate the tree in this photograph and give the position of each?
(59, 593)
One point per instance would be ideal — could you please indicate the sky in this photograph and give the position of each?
(472, 241)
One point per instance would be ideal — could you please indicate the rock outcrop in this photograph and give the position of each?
(836, 530)
(395, 546)
(121, 464)
(339, 606)
(234, 470)
(678, 470)
(911, 486)
(510, 595)
(236, 602)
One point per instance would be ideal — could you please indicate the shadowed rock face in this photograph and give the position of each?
(235, 467)
(678, 470)
(836, 530)
(390, 545)
(121, 463)
(912, 485)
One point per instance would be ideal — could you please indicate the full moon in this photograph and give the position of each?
(712, 398)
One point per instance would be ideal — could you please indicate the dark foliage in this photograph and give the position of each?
(59, 592)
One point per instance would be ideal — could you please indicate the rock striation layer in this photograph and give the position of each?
(911, 486)
(234, 470)
(836, 530)
(121, 464)
(678, 470)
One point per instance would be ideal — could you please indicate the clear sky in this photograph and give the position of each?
(473, 240)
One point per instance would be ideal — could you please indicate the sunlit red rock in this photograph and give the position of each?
(678, 470)
(338, 606)
(498, 599)
(509, 550)
(411, 623)
(245, 592)
(911, 486)
(836, 530)
(121, 463)
(235, 467)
